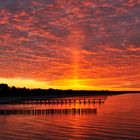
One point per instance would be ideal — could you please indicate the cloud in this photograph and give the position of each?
(56, 40)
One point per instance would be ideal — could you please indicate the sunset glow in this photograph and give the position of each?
(74, 44)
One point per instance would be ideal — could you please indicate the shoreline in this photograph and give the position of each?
(19, 99)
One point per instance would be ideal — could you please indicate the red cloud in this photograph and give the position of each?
(94, 42)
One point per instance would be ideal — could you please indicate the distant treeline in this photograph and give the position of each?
(5, 90)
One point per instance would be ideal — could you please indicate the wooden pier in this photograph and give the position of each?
(83, 100)
(66, 101)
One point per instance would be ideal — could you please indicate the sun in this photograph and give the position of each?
(77, 84)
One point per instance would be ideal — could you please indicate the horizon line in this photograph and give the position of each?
(71, 89)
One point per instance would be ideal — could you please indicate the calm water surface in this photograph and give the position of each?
(116, 119)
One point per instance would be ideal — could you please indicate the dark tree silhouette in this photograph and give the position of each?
(4, 89)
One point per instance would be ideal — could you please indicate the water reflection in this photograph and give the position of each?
(49, 111)
(117, 118)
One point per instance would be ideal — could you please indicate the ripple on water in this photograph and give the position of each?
(115, 120)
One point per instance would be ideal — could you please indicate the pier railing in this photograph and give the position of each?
(55, 101)
(66, 101)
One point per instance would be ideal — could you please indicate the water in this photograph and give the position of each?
(118, 118)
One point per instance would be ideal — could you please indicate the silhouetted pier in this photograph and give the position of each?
(69, 100)
(48, 111)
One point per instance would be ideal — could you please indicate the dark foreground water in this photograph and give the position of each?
(118, 118)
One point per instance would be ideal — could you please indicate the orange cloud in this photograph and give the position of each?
(71, 44)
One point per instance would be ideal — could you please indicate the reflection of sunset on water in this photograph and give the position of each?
(117, 117)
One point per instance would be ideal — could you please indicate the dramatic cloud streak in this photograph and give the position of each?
(71, 43)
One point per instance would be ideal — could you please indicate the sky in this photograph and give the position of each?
(70, 44)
